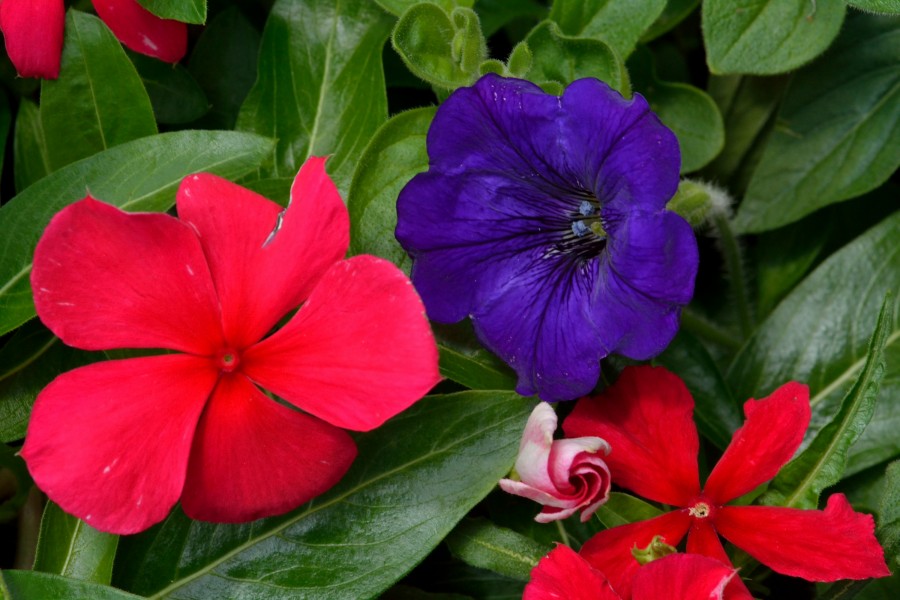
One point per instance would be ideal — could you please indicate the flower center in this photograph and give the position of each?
(586, 237)
(228, 360)
(700, 510)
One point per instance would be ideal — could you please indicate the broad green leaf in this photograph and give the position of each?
(622, 509)
(187, 11)
(822, 464)
(689, 112)
(673, 14)
(819, 333)
(395, 154)
(769, 36)
(98, 101)
(30, 160)
(414, 479)
(564, 58)
(887, 7)
(443, 49)
(32, 585)
(477, 370)
(70, 547)
(223, 63)
(889, 515)
(142, 175)
(398, 7)
(619, 23)
(480, 543)
(320, 88)
(838, 132)
(716, 411)
(175, 96)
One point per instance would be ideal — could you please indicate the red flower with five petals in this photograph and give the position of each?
(117, 443)
(33, 30)
(647, 418)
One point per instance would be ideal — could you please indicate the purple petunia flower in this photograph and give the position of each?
(543, 218)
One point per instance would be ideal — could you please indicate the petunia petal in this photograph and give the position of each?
(260, 278)
(564, 574)
(769, 437)
(104, 279)
(685, 576)
(33, 31)
(142, 31)
(817, 545)
(610, 550)
(254, 458)
(110, 442)
(358, 352)
(647, 419)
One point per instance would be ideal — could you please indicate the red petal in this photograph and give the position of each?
(647, 418)
(703, 539)
(610, 550)
(687, 576)
(564, 574)
(817, 545)
(33, 30)
(259, 282)
(142, 31)
(769, 437)
(110, 442)
(358, 352)
(253, 457)
(104, 279)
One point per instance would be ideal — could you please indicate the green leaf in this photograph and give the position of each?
(557, 57)
(187, 11)
(674, 13)
(477, 370)
(495, 14)
(30, 585)
(887, 7)
(398, 7)
(889, 515)
(822, 464)
(15, 483)
(689, 112)
(480, 543)
(70, 547)
(175, 96)
(622, 509)
(98, 101)
(142, 175)
(838, 132)
(819, 333)
(619, 23)
(769, 36)
(320, 89)
(414, 479)
(30, 160)
(5, 120)
(395, 154)
(716, 411)
(443, 49)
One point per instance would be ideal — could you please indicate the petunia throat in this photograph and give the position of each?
(586, 237)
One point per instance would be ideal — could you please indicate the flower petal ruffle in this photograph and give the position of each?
(817, 545)
(358, 351)
(647, 419)
(33, 32)
(564, 574)
(253, 457)
(110, 442)
(104, 279)
(260, 278)
(142, 31)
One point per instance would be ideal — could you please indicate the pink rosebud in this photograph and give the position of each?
(564, 475)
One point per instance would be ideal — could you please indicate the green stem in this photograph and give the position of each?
(563, 536)
(701, 327)
(731, 252)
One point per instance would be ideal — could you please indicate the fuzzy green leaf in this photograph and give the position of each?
(619, 23)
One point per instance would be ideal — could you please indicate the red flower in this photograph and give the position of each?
(647, 419)
(564, 574)
(33, 30)
(118, 443)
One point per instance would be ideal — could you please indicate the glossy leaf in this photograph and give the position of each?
(839, 129)
(392, 158)
(140, 175)
(175, 96)
(480, 543)
(415, 478)
(30, 160)
(561, 58)
(889, 514)
(70, 547)
(187, 11)
(819, 333)
(30, 585)
(98, 101)
(772, 36)
(477, 370)
(822, 464)
(622, 509)
(320, 88)
(398, 7)
(619, 23)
